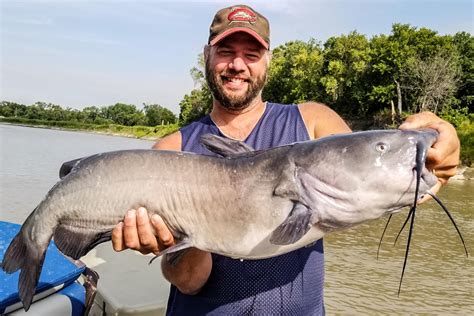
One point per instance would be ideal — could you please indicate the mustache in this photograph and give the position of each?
(234, 73)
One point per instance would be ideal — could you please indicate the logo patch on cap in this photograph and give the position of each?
(240, 14)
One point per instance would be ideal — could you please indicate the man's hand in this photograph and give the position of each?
(139, 232)
(443, 156)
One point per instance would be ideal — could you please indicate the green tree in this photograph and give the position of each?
(195, 105)
(156, 115)
(294, 73)
(124, 114)
(346, 61)
(199, 102)
(391, 57)
(12, 109)
(432, 82)
(464, 44)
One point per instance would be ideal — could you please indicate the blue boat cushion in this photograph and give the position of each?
(57, 269)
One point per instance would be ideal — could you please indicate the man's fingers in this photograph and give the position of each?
(147, 239)
(130, 234)
(117, 237)
(443, 156)
(137, 232)
(164, 235)
(419, 120)
(447, 145)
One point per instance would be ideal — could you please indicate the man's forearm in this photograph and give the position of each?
(190, 271)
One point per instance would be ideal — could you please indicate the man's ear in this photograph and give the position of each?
(206, 51)
(269, 57)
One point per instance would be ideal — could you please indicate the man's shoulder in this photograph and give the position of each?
(321, 120)
(170, 142)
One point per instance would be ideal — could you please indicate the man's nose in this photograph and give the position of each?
(237, 64)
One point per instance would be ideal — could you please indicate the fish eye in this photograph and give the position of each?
(382, 147)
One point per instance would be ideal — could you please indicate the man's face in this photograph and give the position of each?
(236, 70)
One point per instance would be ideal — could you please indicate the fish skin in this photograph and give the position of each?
(272, 201)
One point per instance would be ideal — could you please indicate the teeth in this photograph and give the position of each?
(236, 80)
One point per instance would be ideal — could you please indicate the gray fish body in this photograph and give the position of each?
(248, 205)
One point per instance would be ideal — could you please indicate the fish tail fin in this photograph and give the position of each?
(30, 260)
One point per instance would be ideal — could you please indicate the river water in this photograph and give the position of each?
(439, 279)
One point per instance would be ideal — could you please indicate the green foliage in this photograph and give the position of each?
(346, 62)
(293, 76)
(157, 115)
(115, 129)
(124, 114)
(464, 44)
(457, 116)
(195, 105)
(119, 113)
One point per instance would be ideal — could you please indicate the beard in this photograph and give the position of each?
(233, 102)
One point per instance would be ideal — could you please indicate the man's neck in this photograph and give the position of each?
(237, 124)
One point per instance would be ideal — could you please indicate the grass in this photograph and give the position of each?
(149, 132)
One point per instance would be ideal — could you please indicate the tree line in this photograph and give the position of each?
(410, 70)
(119, 113)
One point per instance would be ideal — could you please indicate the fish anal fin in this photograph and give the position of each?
(174, 252)
(294, 227)
(78, 241)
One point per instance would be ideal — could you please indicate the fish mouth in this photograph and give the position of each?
(427, 179)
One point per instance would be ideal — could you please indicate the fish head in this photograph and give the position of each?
(365, 175)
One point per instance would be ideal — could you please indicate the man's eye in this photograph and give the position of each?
(253, 57)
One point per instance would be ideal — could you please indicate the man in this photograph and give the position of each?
(237, 58)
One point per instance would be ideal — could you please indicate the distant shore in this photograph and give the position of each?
(140, 132)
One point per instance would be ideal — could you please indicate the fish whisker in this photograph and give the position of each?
(420, 162)
(451, 218)
(383, 233)
(412, 216)
(403, 226)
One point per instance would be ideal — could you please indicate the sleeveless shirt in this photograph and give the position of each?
(289, 284)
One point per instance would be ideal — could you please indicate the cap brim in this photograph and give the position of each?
(233, 30)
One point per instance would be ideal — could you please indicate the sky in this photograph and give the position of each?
(79, 53)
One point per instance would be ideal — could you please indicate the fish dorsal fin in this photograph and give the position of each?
(68, 166)
(226, 147)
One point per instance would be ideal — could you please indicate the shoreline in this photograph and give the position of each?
(90, 131)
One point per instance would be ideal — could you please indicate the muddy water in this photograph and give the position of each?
(439, 278)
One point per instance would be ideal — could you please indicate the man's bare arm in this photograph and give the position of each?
(322, 121)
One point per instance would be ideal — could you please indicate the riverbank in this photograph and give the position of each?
(140, 132)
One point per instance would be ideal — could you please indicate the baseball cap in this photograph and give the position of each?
(239, 18)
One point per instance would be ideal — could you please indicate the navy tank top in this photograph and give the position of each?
(290, 284)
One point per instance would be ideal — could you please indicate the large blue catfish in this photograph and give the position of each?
(246, 204)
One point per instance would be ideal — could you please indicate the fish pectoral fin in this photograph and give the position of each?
(78, 241)
(226, 147)
(294, 227)
(174, 252)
